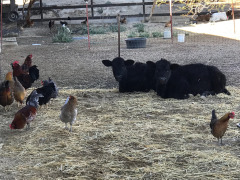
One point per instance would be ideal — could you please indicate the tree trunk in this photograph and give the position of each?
(153, 7)
(29, 22)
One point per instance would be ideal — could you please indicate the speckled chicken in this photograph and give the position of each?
(27, 114)
(219, 126)
(69, 111)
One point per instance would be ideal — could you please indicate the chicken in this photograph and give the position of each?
(84, 21)
(49, 81)
(26, 79)
(47, 91)
(9, 78)
(27, 64)
(51, 25)
(26, 114)
(63, 23)
(19, 91)
(69, 112)
(6, 94)
(123, 20)
(168, 24)
(219, 126)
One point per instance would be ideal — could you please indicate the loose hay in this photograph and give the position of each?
(124, 136)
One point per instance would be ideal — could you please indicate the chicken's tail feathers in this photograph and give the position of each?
(34, 73)
(213, 119)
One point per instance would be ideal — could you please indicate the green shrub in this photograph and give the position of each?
(132, 34)
(157, 34)
(114, 28)
(140, 27)
(98, 30)
(144, 34)
(63, 35)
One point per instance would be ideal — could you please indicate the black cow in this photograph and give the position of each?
(176, 81)
(132, 76)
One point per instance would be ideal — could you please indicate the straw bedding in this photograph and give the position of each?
(116, 135)
(121, 136)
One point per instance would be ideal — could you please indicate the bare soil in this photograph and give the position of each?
(120, 136)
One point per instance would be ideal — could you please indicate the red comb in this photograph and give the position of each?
(15, 62)
(30, 55)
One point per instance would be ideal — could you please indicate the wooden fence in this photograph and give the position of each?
(92, 6)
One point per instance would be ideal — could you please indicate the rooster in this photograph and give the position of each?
(26, 79)
(69, 112)
(49, 81)
(219, 126)
(26, 114)
(27, 63)
(47, 91)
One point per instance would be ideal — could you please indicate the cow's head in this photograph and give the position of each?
(163, 71)
(119, 67)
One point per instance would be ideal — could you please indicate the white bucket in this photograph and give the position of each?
(181, 37)
(167, 34)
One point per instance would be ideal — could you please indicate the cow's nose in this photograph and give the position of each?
(163, 80)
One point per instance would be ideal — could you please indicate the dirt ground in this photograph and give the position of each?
(120, 136)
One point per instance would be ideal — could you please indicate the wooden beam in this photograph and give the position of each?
(92, 11)
(41, 10)
(144, 16)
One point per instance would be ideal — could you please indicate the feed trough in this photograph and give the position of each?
(136, 43)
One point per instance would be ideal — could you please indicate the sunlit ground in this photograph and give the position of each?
(222, 28)
(19, 2)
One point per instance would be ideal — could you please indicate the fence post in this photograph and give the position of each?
(92, 9)
(41, 11)
(144, 16)
(118, 20)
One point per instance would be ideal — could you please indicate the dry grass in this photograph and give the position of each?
(125, 136)
(121, 136)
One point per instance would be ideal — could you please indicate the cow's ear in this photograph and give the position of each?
(129, 62)
(151, 64)
(107, 63)
(174, 66)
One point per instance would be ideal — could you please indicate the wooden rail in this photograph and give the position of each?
(92, 6)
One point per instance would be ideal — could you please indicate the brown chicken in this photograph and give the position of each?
(19, 91)
(69, 112)
(26, 114)
(6, 94)
(27, 63)
(9, 78)
(219, 126)
(123, 20)
(25, 78)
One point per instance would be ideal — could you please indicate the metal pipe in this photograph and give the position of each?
(118, 20)
(170, 8)
(87, 25)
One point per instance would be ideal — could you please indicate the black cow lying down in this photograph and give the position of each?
(176, 81)
(132, 76)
